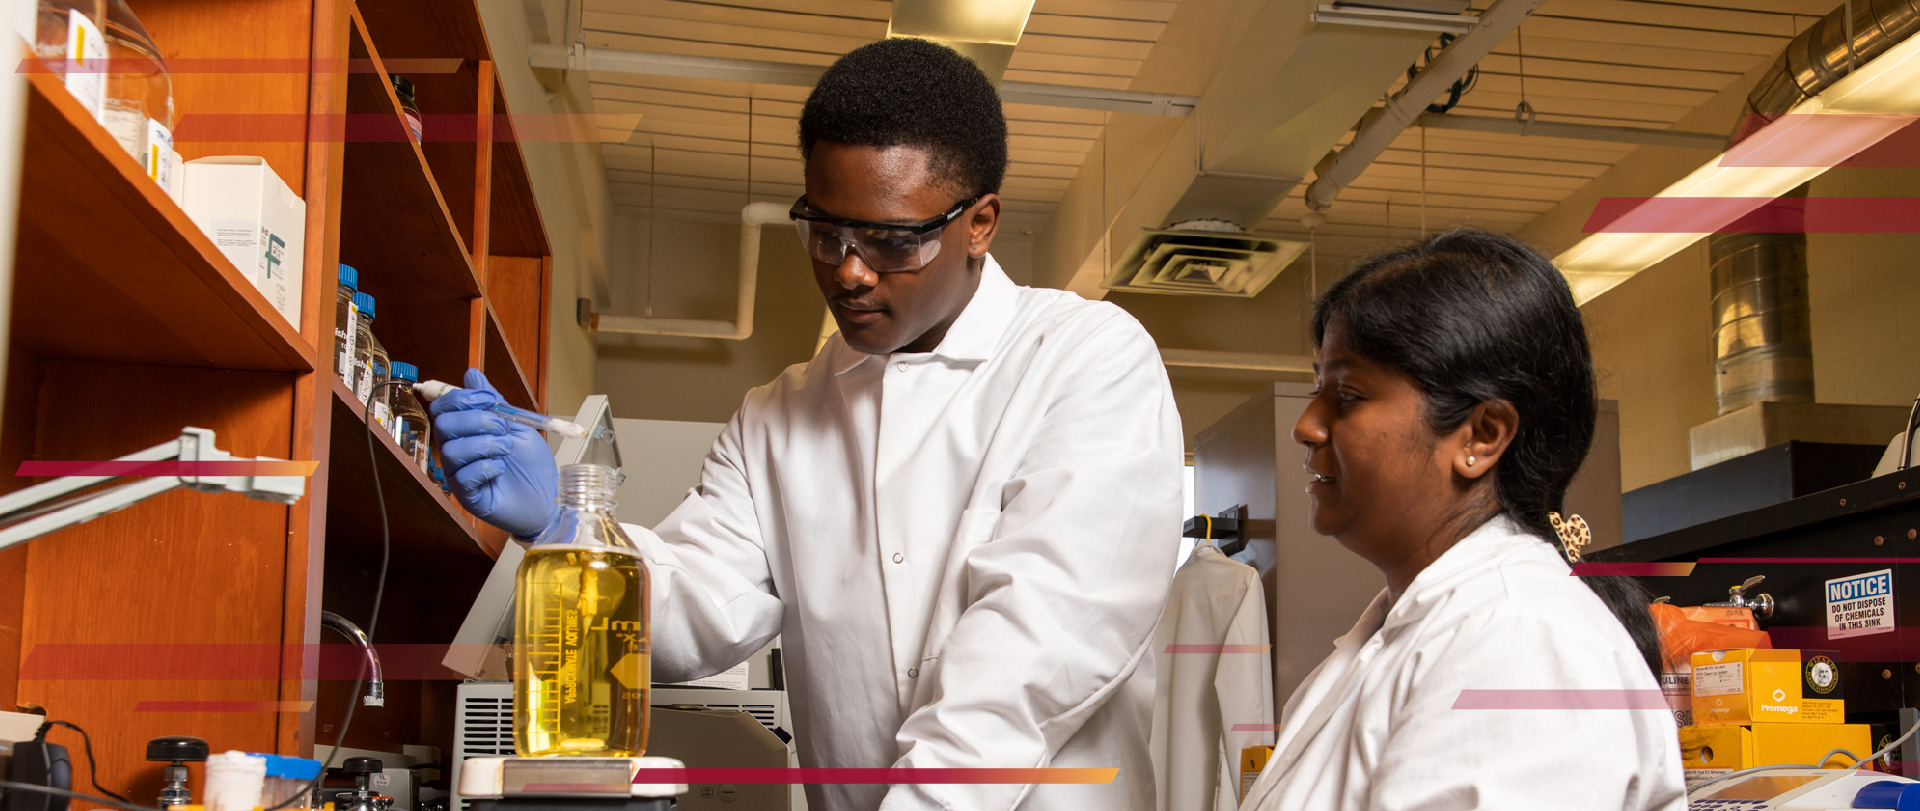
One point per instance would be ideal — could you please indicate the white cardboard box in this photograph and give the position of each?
(259, 223)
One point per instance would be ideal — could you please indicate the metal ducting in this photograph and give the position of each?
(1763, 339)
(1762, 329)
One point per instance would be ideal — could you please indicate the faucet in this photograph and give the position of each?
(376, 687)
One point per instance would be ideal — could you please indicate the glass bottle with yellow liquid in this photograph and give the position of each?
(581, 671)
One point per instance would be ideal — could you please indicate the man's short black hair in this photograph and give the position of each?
(913, 92)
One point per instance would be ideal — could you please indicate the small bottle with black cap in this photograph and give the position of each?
(403, 89)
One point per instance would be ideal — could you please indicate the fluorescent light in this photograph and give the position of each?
(994, 22)
(1878, 99)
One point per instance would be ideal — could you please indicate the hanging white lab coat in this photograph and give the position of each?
(1207, 705)
(965, 552)
(1374, 727)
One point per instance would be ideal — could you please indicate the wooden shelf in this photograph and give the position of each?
(109, 268)
(504, 369)
(425, 524)
(396, 229)
(514, 215)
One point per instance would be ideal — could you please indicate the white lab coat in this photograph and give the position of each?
(965, 552)
(1374, 726)
(1201, 697)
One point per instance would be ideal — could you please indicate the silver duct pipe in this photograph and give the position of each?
(1763, 339)
(1762, 330)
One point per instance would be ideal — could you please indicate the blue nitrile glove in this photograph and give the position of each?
(500, 470)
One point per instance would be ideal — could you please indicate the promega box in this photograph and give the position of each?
(257, 221)
(1782, 686)
(1708, 752)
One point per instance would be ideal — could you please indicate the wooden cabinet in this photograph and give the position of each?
(197, 614)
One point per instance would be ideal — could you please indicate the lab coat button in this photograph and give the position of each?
(897, 557)
(913, 673)
(902, 366)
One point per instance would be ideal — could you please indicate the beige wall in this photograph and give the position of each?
(1278, 319)
(672, 266)
(569, 184)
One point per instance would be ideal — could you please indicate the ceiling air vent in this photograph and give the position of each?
(1201, 258)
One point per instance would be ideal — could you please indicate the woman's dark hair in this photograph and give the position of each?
(1473, 316)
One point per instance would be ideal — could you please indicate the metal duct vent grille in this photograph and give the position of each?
(1192, 262)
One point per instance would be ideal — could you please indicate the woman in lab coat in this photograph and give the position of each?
(1456, 401)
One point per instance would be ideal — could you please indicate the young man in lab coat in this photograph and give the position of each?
(961, 514)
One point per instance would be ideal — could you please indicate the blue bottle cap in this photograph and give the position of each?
(349, 276)
(364, 303)
(405, 371)
(291, 768)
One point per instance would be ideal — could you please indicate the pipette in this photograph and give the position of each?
(433, 390)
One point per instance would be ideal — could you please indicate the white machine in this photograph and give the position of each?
(1792, 790)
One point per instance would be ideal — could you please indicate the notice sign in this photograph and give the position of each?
(1860, 605)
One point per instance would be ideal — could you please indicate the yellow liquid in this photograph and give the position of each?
(581, 666)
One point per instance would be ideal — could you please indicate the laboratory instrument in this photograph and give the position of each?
(433, 390)
(53, 506)
(363, 797)
(581, 666)
(410, 425)
(346, 320)
(561, 784)
(1795, 790)
(139, 101)
(176, 751)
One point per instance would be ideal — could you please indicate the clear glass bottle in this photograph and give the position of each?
(346, 319)
(369, 359)
(581, 653)
(139, 102)
(409, 105)
(411, 428)
(68, 39)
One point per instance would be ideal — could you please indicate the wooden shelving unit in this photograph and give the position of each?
(129, 324)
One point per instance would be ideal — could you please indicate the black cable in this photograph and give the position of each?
(379, 591)
(75, 795)
(93, 767)
(1906, 442)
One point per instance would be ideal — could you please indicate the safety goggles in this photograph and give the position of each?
(884, 247)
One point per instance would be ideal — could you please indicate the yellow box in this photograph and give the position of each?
(1710, 751)
(1759, 686)
(1253, 759)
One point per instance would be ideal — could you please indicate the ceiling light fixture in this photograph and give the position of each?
(986, 31)
(1879, 99)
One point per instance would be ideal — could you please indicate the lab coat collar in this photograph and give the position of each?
(1498, 537)
(974, 335)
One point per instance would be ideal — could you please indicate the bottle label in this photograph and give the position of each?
(346, 335)
(158, 158)
(379, 412)
(413, 127)
(365, 388)
(86, 64)
(127, 124)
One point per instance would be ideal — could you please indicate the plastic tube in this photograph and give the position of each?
(433, 389)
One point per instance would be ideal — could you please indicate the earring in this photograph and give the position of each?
(1574, 534)
(1469, 460)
